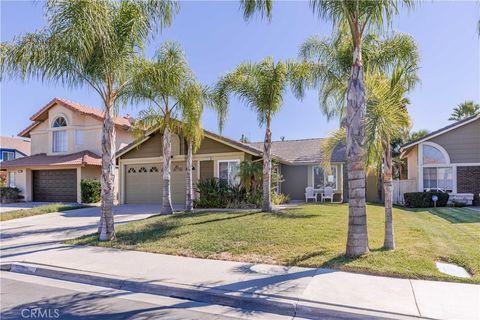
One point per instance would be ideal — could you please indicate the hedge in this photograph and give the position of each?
(8, 194)
(91, 190)
(424, 199)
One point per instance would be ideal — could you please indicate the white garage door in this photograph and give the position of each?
(144, 183)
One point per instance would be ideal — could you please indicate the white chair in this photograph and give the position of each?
(310, 194)
(327, 194)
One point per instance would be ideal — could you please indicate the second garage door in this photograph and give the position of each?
(54, 185)
(144, 183)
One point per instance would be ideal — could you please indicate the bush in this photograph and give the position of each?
(91, 190)
(280, 198)
(216, 193)
(8, 194)
(424, 199)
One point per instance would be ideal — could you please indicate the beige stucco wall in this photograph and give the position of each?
(23, 181)
(91, 127)
(412, 163)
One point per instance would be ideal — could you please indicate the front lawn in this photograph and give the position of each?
(48, 208)
(312, 236)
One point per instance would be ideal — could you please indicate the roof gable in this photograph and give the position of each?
(20, 145)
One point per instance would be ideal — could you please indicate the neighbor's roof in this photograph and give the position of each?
(38, 117)
(441, 131)
(79, 158)
(20, 145)
(302, 151)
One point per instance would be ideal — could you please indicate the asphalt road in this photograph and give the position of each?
(31, 297)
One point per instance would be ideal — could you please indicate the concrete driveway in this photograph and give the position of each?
(6, 207)
(46, 232)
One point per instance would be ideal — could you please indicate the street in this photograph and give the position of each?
(31, 297)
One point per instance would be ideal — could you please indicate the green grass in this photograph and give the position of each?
(313, 236)
(48, 208)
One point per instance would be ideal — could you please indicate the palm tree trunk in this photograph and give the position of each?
(357, 240)
(106, 226)
(189, 196)
(389, 242)
(379, 183)
(167, 154)
(267, 163)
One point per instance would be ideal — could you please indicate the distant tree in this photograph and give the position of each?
(414, 135)
(464, 110)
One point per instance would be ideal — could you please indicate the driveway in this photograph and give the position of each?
(46, 232)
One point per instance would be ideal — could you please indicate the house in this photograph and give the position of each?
(10, 149)
(65, 148)
(447, 159)
(140, 166)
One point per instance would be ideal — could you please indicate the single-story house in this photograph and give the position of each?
(447, 159)
(140, 166)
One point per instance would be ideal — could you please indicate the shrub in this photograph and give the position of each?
(216, 193)
(8, 194)
(91, 190)
(424, 199)
(280, 198)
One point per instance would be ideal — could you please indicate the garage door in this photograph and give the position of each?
(55, 185)
(144, 183)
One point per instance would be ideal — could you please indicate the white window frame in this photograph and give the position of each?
(11, 179)
(7, 152)
(448, 164)
(65, 146)
(228, 161)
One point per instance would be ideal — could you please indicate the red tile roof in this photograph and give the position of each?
(77, 107)
(20, 145)
(81, 158)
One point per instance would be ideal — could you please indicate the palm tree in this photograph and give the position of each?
(464, 110)
(386, 119)
(92, 43)
(170, 86)
(262, 87)
(250, 175)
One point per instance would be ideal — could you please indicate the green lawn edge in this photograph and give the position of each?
(43, 209)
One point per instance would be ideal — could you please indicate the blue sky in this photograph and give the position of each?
(216, 39)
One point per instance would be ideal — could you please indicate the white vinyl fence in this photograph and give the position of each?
(402, 186)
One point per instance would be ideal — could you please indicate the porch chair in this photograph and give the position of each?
(310, 194)
(327, 194)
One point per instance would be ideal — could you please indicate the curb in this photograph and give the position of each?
(263, 303)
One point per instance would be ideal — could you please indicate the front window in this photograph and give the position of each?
(59, 137)
(323, 179)
(229, 171)
(432, 155)
(11, 179)
(438, 179)
(8, 155)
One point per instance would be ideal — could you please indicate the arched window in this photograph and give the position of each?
(59, 122)
(433, 155)
(59, 135)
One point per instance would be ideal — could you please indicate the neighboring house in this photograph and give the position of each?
(140, 166)
(10, 149)
(65, 148)
(447, 159)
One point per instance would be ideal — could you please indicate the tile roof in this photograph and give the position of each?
(83, 109)
(20, 145)
(302, 151)
(75, 159)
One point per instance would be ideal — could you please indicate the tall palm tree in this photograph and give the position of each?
(93, 43)
(261, 86)
(386, 119)
(169, 85)
(464, 110)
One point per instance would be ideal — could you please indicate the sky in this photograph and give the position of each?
(216, 39)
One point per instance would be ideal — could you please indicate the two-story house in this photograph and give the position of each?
(10, 149)
(65, 148)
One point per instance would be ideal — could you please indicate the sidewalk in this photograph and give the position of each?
(337, 291)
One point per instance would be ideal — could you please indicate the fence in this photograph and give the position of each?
(402, 186)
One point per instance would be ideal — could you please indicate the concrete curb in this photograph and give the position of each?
(264, 303)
